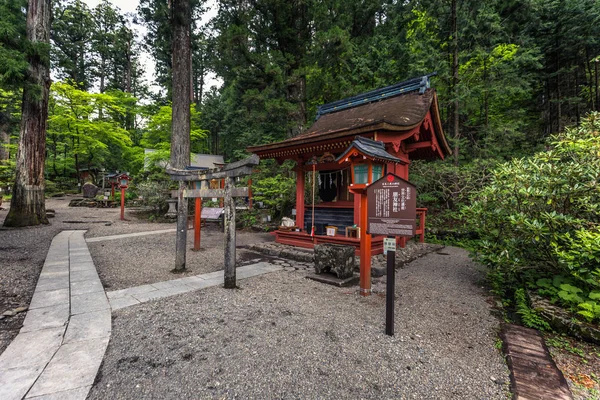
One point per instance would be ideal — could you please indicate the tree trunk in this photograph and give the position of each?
(296, 94)
(27, 206)
(455, 81)
(596, 84)
(180, 134)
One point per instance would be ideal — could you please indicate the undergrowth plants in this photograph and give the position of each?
(538, 220)
(563, 290)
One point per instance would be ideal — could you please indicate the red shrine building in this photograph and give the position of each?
(403, 119)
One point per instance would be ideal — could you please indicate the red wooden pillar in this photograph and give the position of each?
(222, 186)
(357, 209)
(300, 182)
(197, 219)
(365, 249)
(122, 204)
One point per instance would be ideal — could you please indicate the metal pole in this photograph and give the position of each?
(389, 292)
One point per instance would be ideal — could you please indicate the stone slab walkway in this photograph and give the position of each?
(129, 235)
(60, 347)
(140, 294)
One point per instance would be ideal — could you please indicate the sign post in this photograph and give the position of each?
(389, 291)
(392, 212)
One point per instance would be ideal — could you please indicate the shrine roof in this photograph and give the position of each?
(399, 107)
(371, 148)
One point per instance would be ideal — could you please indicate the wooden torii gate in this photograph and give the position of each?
(229, 193)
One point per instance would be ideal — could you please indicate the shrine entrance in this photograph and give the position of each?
(201, 189)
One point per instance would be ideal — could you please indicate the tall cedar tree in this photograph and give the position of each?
(28, 202)
(180, 136)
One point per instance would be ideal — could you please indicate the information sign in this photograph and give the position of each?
(389, 244)
(392, 207)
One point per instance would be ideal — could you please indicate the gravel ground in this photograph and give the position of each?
(283, 336)
(23, 251)
(149, 259)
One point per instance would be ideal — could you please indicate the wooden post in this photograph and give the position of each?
(389, 293)
(365, 249)
(198, 221)
(221, 185)
(181, 238)
(229, 222)
(122, 204)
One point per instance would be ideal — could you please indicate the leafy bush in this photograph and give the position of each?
(445, 188)
(154, 194)
(275, 187)
(563, 290)
(540, 216)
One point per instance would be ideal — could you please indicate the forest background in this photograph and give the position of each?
(510, 73)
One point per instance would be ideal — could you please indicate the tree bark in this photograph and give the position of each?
(455, 81)
(27, 205)
(180, 134)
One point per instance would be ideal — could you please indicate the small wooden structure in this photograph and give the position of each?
(229, 192)
(405, 117)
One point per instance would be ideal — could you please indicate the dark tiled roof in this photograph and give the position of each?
(404, 111)
(371, 148)
(400, 113)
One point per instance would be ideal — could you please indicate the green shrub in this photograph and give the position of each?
(445, 188)
(275, 187)
(540, 216)
(154, 194)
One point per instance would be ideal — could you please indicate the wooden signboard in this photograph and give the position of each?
(392, 207)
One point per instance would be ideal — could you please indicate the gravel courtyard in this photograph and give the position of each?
(283, 336)
(277, 336)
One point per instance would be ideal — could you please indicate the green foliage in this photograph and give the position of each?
(542, 211)
(274, 186)
(562, 289)
(154, 194)
(157, 134)
(539, 217)
(248, 218)
(444, 189)
(82, 132)
(529, 317)
(13, 62)
(563, 343)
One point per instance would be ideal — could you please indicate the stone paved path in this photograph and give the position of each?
(128, 235)
(60, 347)
(140, 294)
